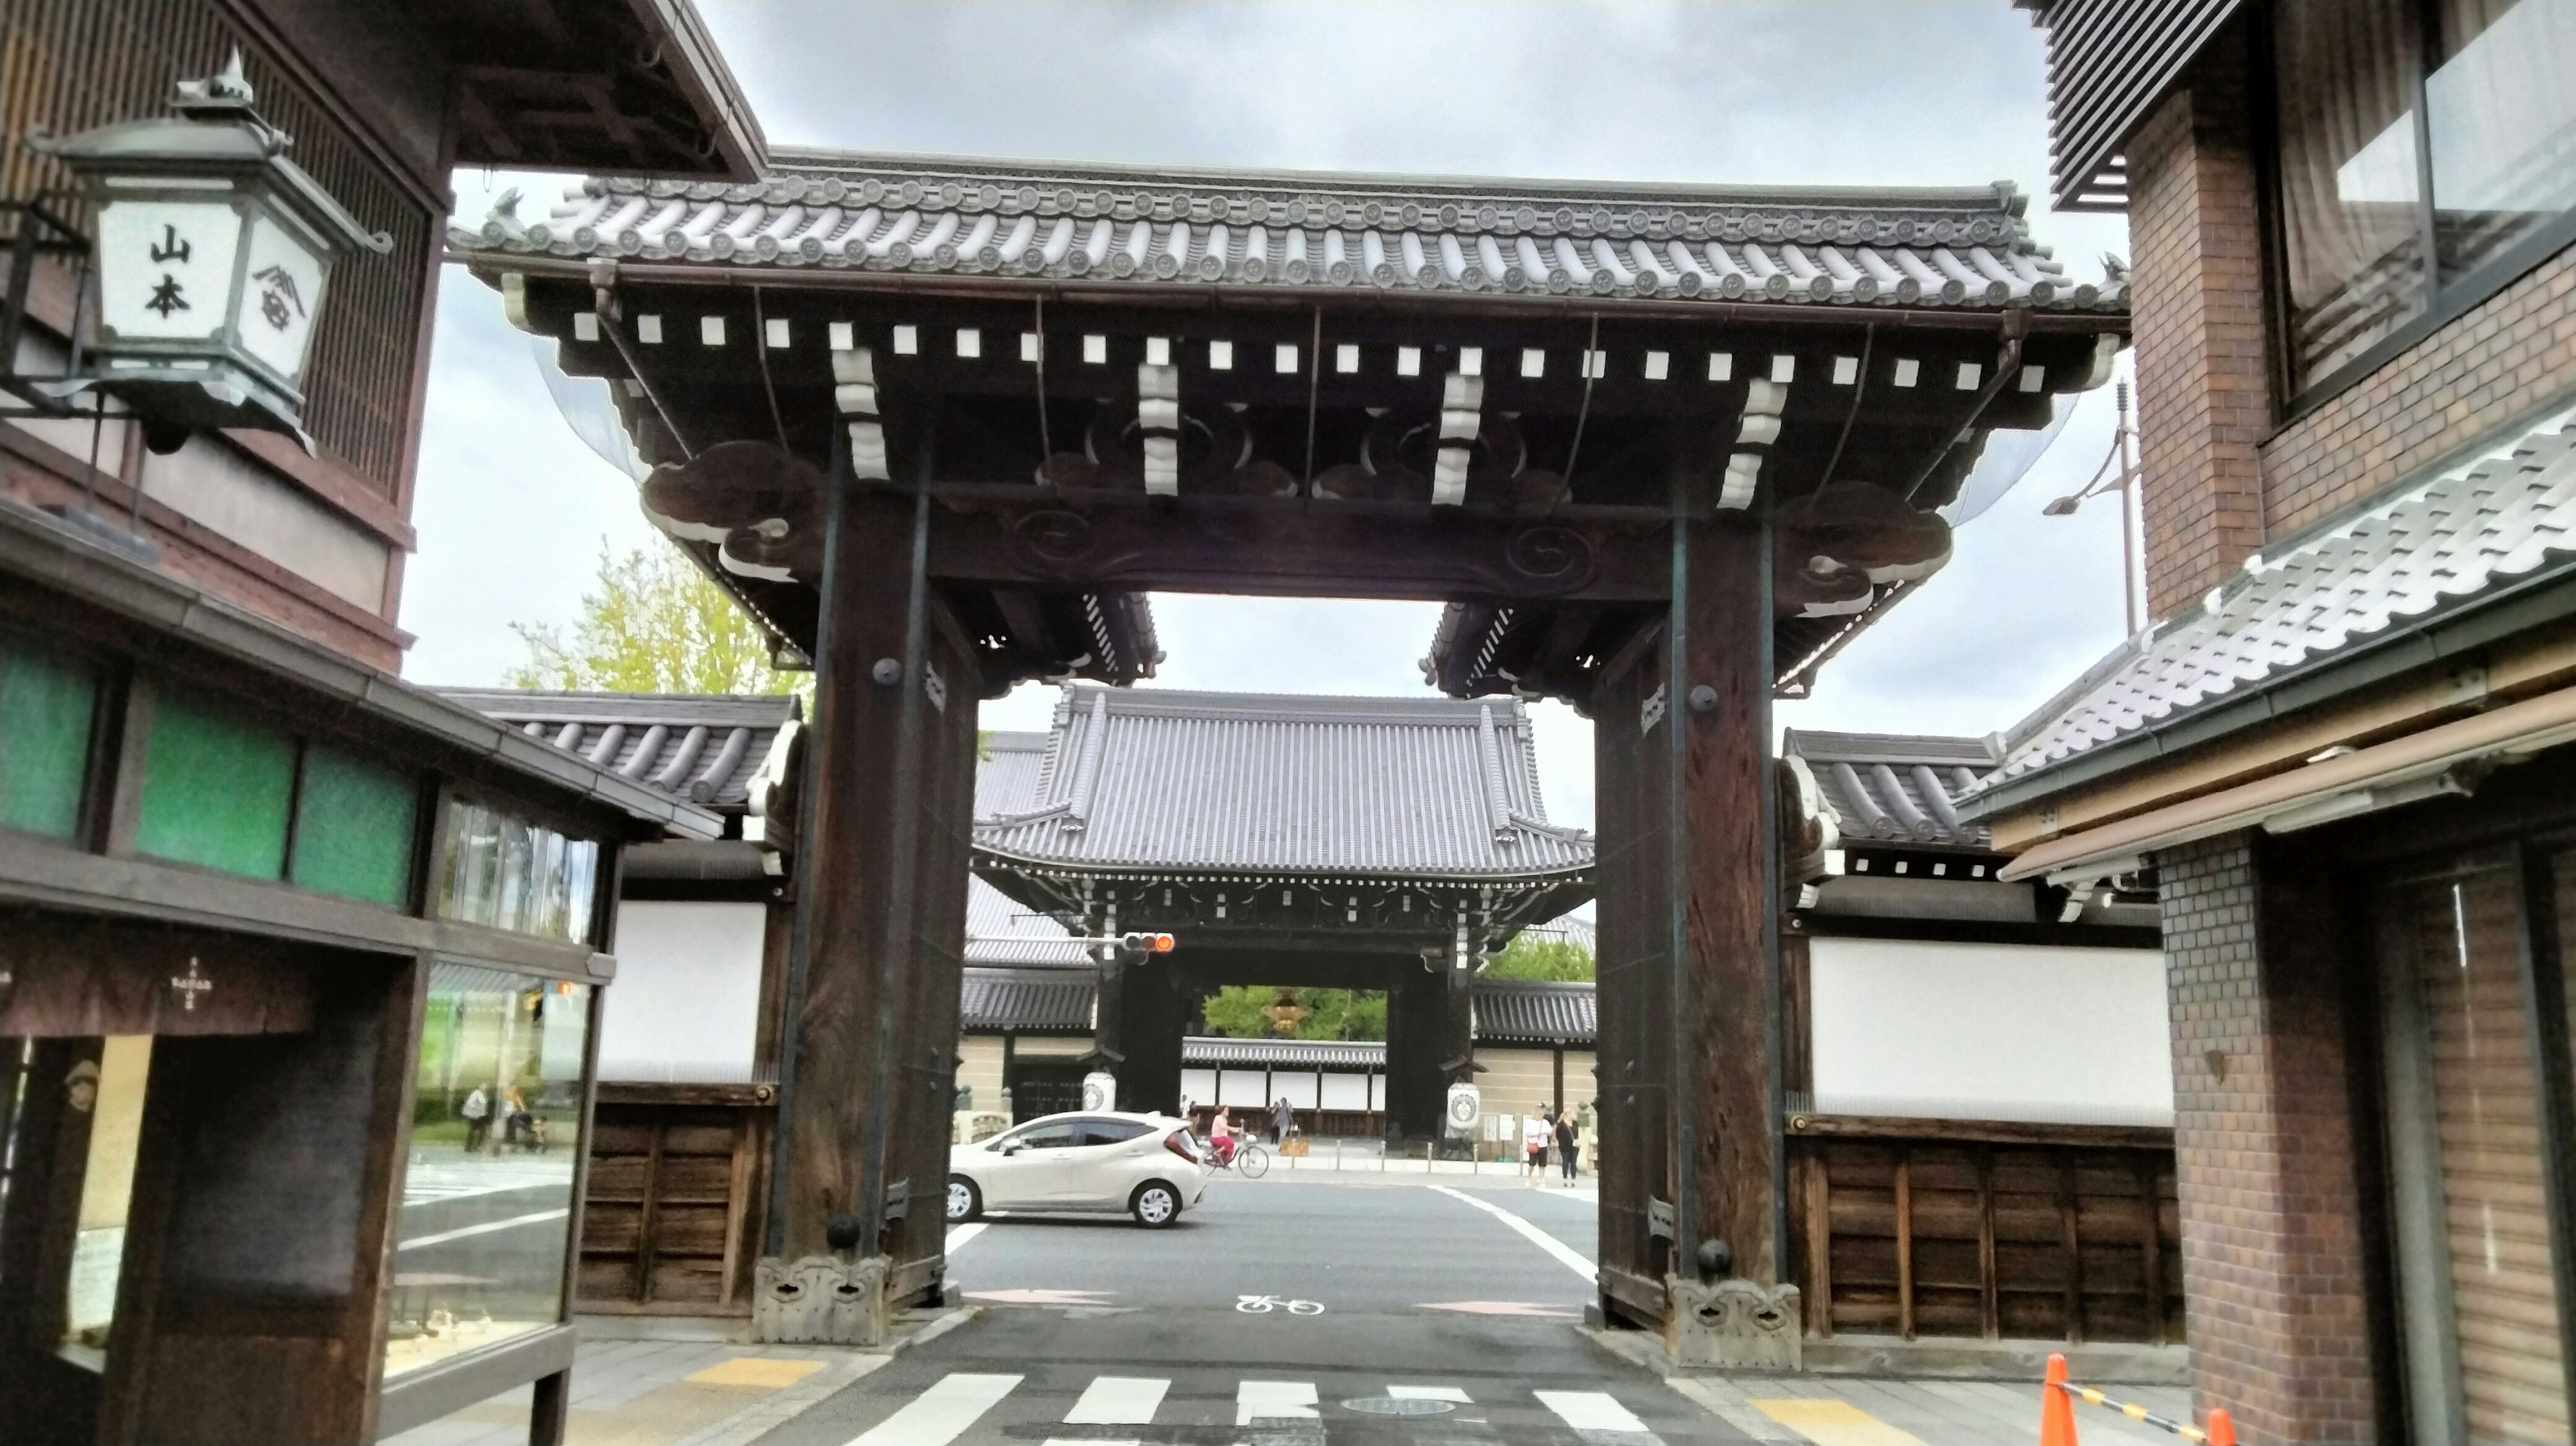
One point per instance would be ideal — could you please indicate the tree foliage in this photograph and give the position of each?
(652, 623)
(1235, 1011)
(1530, 957)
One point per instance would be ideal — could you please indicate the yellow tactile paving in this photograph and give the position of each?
(1833, 1423)
(768, 1373)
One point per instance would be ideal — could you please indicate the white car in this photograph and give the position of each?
(1146, 1165)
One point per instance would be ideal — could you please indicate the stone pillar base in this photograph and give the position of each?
(820, 1300)
(1732, 1324)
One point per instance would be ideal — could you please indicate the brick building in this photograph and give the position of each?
(2338, 751)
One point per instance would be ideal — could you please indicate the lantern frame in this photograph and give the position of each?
(203, 214)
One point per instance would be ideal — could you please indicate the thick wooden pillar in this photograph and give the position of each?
(1418, 1043)
(873, 992)
(930, 972)
(1728, 1008)
(1151, 1012)
(1689, 989)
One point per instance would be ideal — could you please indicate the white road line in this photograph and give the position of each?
(941, 1414)
(1428, 1393)
(1274, 1401)
(487, 1227)
(1572, 1258)
(960, 1234)
(1591, 1411)
(1118, 1401)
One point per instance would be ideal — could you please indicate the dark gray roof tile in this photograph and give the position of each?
(701, 747)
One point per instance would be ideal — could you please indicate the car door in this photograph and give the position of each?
(1025, 1165)
(1094, 1174)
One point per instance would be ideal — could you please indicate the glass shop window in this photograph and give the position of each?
(224, 792)
(500, 869)
(487, 1195)
(2376, 100)
(47, 705)
(112, 1097)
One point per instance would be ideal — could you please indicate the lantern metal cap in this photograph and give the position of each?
(215, 130)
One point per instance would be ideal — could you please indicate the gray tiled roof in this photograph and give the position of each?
(1308, 1053)
(2459, 537)
(1000, 931)
(1289, 232)
(1895, 787)
(1233, 783)
(1054, 999)
(701, 747)
(1535, 1012)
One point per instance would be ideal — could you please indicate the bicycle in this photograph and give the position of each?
(1248, 1160)
(1264, 1304)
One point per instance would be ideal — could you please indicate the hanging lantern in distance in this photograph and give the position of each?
(214, 253)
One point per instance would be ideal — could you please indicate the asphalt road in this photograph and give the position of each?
(1445, 1323)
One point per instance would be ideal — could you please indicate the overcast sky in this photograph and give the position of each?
(512, 509)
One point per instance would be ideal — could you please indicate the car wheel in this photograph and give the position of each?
(965, 1202)
(1155, 1205)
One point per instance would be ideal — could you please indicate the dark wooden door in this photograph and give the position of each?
(673, 1206)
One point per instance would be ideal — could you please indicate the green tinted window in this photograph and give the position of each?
(216, 789)
(46, 704)
(354, 827)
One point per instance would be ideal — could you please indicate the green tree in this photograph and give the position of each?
(1529, 957)
(652, 623)
(1235, 1012)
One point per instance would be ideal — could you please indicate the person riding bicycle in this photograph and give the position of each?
(1221, 1137)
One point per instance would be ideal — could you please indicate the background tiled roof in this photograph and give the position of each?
(1286, 231)
(1048, 999)
(1284, 783)
(1510, 1009)
(2467, 532)
(701, 747)
(1895, 787)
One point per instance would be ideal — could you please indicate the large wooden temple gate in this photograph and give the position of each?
(1662, 450)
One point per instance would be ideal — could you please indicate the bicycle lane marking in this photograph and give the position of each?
(1571, 1258)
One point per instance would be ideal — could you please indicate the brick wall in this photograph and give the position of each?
(2513, 352)
(2217, 485)
(2272, 1243)
(2196, 293)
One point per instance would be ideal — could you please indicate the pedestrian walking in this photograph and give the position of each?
(1283, 1118)
(1566, 1144)
(477, 1111)
(1535, 1134)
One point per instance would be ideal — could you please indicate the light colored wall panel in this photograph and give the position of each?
(686, 1001)
(1346, 1092)
(210, 483)
(980, 1069)
(1991, 1032)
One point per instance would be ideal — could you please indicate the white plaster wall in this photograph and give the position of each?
(979, 1068)
(1991, 1031)
(1346, 1092)
(1199, 1086)
(686, 1001)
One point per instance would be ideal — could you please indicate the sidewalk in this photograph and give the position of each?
(673, 1392)
(1337, 1155)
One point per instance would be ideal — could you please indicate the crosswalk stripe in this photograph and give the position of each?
(1118, 1401)
(1428, 1393)
(940, 1414)
(1274, 1401)
(1590, 1411)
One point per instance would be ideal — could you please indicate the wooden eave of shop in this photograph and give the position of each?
(2416, 681)
(634, 86)
(122, 605)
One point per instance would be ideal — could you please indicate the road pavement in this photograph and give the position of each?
(1279, 1313)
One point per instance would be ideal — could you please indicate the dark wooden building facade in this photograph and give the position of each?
(299, 966)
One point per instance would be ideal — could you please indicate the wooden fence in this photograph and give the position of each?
(1978, 1229)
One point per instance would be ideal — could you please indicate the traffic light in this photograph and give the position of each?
(1146, 943)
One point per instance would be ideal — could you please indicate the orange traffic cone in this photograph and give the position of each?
(2057, 1409)
(2222, 1428)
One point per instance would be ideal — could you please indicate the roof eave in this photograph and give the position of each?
(2545, 595)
